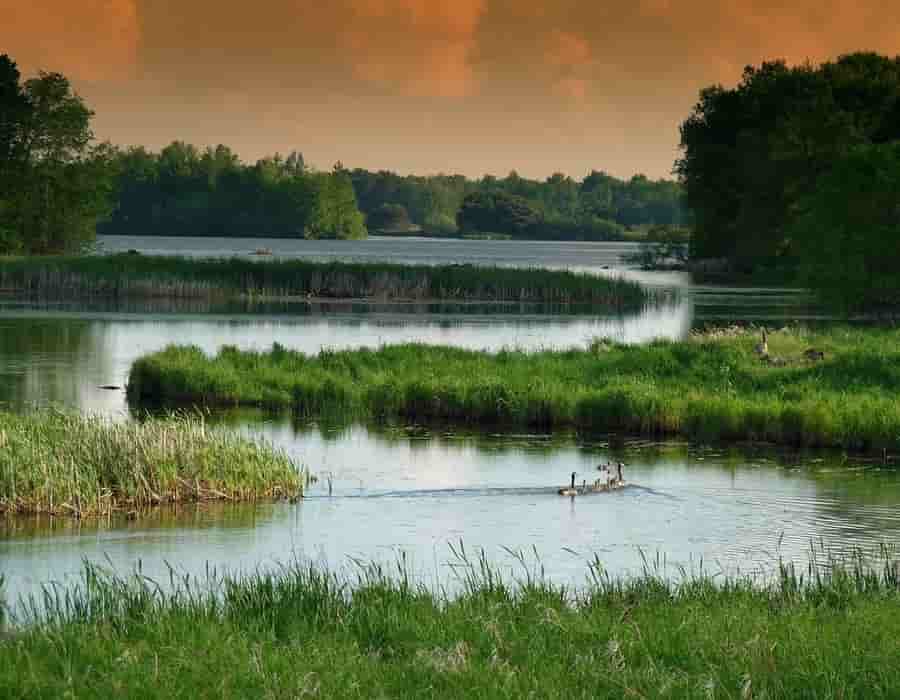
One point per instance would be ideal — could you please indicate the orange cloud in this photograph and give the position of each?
(94, 40)
(568, 57)
(417, 46)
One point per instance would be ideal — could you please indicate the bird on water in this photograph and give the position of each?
(569, 490)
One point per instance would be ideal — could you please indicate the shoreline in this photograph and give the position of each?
(305, 631)
(126, 275)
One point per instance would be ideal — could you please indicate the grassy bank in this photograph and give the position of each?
(75, 465)
(711, 387)
(304, 633)
(165, 276)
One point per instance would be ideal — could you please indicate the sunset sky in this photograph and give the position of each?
(470, 86)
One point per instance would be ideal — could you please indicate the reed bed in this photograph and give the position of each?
(122, 276)
(711, 387)
(65, 464)
(300, 632)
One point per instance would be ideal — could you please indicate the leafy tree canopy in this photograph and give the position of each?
(751, 155)
(55, 183)
(847, 232)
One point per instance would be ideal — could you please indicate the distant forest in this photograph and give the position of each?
(599, 207)
(185, 191)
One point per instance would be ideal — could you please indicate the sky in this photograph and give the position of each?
(425, 86)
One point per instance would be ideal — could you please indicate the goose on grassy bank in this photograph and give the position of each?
(762, 347)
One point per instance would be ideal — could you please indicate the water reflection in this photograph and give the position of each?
(415, 490)
(51, 354)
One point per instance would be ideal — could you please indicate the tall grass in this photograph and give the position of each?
(168, 276)
(61, 463)
(707, 388)
(303, 632)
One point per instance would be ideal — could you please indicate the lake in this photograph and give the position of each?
(415, 491)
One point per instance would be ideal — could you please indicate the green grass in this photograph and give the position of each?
(303, 633)
(66, 464)
(166, 276)
(711, 387)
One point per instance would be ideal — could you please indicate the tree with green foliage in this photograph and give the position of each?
(56, 183)
(752, 154)
(496, 212)
(185, 191)
(389, 217)
(847, 233)
(598, 208)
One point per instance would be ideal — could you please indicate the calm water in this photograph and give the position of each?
(415, 492)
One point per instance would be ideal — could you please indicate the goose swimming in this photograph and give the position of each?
(569, 490)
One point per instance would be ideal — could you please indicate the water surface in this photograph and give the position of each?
(415, 492)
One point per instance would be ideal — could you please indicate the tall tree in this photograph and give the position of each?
(751, 154)
(56, 184)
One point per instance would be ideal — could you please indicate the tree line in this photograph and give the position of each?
(797, 169)
(183, 191)
(598, 207)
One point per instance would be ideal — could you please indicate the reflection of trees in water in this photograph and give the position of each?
(844, 500)
(196, 516)
(44, 360)
(803, 463)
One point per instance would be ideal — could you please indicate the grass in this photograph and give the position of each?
(711, 387)
(65, 464)
(300, 632)
(168, 276)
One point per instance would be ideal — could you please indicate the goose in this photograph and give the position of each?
(813, 355)
(569, 490)
(762, 348)
(620, 468)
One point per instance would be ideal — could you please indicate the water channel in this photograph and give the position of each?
(413, 491)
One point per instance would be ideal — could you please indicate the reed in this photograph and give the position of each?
(123, 276)
(66, 464)
(302, 632)
(711, 387)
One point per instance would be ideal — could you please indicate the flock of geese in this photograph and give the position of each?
(611, 478)
(761, 349)
(610, 481)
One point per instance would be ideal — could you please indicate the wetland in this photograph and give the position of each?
(400, 489)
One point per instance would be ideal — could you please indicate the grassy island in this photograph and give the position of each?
(301, 633)
(710, 387)
(66, 464)
(127, 275)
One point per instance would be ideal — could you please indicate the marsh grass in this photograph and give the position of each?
(68, 464)
(123, 276)
(709, 388)
(300, 632)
